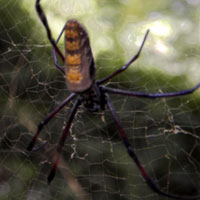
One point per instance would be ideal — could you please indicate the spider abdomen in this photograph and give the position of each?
(79, 63)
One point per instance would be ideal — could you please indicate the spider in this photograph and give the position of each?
(79, 71)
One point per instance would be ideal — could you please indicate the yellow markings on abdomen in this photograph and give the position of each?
(74, 59)
(70, 33)
(74, 76)
(72, 46)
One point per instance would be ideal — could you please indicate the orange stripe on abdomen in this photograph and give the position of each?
(73, 59)
(73, 45)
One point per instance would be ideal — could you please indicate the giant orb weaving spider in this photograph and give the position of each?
(80, 77)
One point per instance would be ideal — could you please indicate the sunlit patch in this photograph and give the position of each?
(193, 2)
(77, 8)
(160, 28)
(161, 47)
(74, 76)
(73, 59)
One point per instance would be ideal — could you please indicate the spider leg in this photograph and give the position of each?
(149, 95)
(43, 19)
(134, 157)
(127, 64)
(45, 121)
(54, 52)
(62, 140)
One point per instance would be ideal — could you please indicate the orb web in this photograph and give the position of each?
(95, 165)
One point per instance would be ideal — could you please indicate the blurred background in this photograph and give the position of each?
(165, 133)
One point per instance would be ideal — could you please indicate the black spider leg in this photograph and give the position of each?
(134, 157)
(134, 58)
(43, 19)
(45, 121)
(149, 95)
(62, 139)
(54, 52)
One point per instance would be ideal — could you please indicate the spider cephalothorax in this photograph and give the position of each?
(94, 99)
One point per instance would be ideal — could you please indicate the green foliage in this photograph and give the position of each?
(164, 132)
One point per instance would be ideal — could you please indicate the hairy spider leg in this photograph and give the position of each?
(46, 120)
(54, 52)
(134, 58)
(134, 157)
(62, 140)
(149, 95)
(43, 19)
